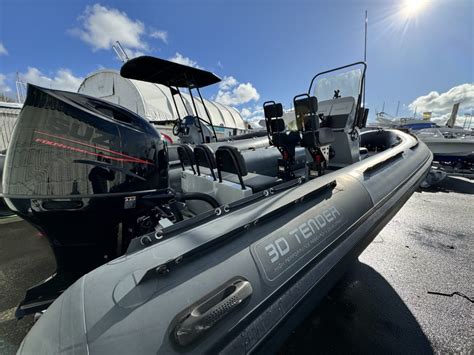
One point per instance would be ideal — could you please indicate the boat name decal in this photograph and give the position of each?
(276, 253)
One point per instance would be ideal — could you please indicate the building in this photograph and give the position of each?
(9, 112)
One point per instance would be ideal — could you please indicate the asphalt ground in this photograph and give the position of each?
(382, 305)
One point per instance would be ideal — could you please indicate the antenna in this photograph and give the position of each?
(365, 38)
(365, 50)
(117, 47)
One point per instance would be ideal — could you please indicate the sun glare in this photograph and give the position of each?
(411, 8)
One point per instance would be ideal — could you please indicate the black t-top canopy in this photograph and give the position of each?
(160, 71)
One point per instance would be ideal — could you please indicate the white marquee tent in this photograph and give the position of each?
(154, 101)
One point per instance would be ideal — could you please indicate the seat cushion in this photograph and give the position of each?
(255, 181)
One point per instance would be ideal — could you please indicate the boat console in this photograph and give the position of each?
(339, 114)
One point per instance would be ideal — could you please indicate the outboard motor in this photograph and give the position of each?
(76, 168)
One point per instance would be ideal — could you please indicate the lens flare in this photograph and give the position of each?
(411, 8)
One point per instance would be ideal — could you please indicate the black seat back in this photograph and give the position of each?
(204, 157)
(186, 156)
(230, 160)
(271, 109)
(273, 112)
(306, 111)
(307, 121)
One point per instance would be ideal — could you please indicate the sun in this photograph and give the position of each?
(411, 8)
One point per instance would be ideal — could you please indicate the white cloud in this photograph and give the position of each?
(3, 50)
(245, 112)
(232, 93)
(252, 113)
(102, 27)
(441, 104)
(160, 34)
(227, 83)
(254, 116)
(180, 59)
(62, 80)
(134, 54)
(3, 86)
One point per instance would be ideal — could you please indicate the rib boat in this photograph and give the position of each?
(239, 255)
(450, 147)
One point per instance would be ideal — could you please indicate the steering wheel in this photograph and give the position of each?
(177, 128)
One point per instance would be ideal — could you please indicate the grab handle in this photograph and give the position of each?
(200, 317)
(379, 165)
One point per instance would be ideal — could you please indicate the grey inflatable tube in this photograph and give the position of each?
(236, 281)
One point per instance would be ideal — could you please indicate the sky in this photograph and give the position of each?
(263, 50)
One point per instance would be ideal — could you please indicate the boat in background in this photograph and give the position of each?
(450, 147)
(385, 120)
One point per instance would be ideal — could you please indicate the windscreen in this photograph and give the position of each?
(347, 81)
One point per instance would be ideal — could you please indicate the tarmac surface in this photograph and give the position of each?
(382, 305)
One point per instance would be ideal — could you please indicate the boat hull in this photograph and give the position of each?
(452, 151)
(447, 148)
(291, 247)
